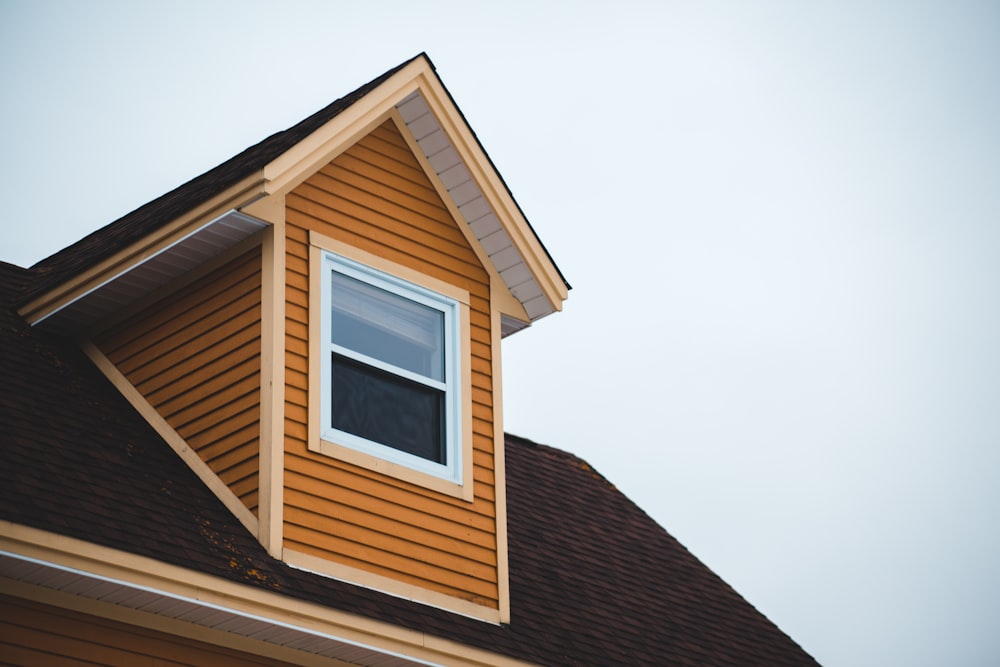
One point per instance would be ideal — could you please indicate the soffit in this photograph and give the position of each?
(144, 277)
(476, 212)
(109, 591)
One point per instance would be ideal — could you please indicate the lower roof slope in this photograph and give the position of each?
(594, 580)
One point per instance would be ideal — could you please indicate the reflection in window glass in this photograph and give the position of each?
(387, 327)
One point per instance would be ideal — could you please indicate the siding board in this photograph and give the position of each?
(195, 356)
(376, 197)
(178, 310)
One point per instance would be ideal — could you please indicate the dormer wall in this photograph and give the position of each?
(359, 522)
(319, 339)
(195, 357)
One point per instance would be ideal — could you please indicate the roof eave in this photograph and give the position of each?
(62, 306)
(66, 572)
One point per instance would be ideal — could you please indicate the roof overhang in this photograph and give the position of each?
(210, 229)
(84, 577)
(527, 284)
(147, 275)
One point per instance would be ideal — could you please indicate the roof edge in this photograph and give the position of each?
(337, 629)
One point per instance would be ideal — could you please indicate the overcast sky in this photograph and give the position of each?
(781, 221)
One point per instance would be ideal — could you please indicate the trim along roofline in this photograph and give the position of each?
(448, 149)
(103, 581)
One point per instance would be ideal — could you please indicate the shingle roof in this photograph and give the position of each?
(594, 580)
(121, 233)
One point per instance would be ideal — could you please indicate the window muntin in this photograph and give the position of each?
(391, 369)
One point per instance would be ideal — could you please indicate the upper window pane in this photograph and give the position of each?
(387, 326)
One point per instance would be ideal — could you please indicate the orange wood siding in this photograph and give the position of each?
(195, 356)
(37, 634)
(376, 196)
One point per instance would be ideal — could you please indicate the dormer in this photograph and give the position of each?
(315, 325)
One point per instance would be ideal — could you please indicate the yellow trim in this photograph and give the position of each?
(173, 580)
(501, 296)
(493, 189)
(390, 586)
(500, 468)
(271, 459)
(317, 244)
(176, 442)
(61, 295)
(321, 147)
(339, 133)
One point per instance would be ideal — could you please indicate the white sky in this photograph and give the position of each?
(781, 221)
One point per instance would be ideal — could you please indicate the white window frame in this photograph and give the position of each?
(454, 477)
(451, 469)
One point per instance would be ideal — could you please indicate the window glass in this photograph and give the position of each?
(387, 326)
(388, 409)
(392, 370)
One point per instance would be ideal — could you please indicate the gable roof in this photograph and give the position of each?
(423, 102)
(593, 579)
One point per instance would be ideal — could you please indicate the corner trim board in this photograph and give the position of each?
(271, 461)
(500, 466)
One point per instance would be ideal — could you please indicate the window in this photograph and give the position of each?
(390, 368)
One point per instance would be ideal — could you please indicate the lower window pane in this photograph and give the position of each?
(387, 409)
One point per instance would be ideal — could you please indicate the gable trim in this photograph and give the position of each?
(499, 291)
(524, 265)
(495, 192)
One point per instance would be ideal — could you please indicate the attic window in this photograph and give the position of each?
(390, 368)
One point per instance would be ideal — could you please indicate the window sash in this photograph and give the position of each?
(450, 463)
(385, 324)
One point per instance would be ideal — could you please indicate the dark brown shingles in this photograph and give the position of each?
(598, 566)
(105, 242)
(594, 581)
(111, 238)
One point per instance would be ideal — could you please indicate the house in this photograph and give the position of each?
(258, 421)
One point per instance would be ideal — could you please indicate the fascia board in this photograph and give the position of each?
(502, 297)
(178, 582)
(339, 133)
(234, 197)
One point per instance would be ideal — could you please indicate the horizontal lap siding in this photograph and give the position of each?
(36, 634)
(375, 196)
(195, 357)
